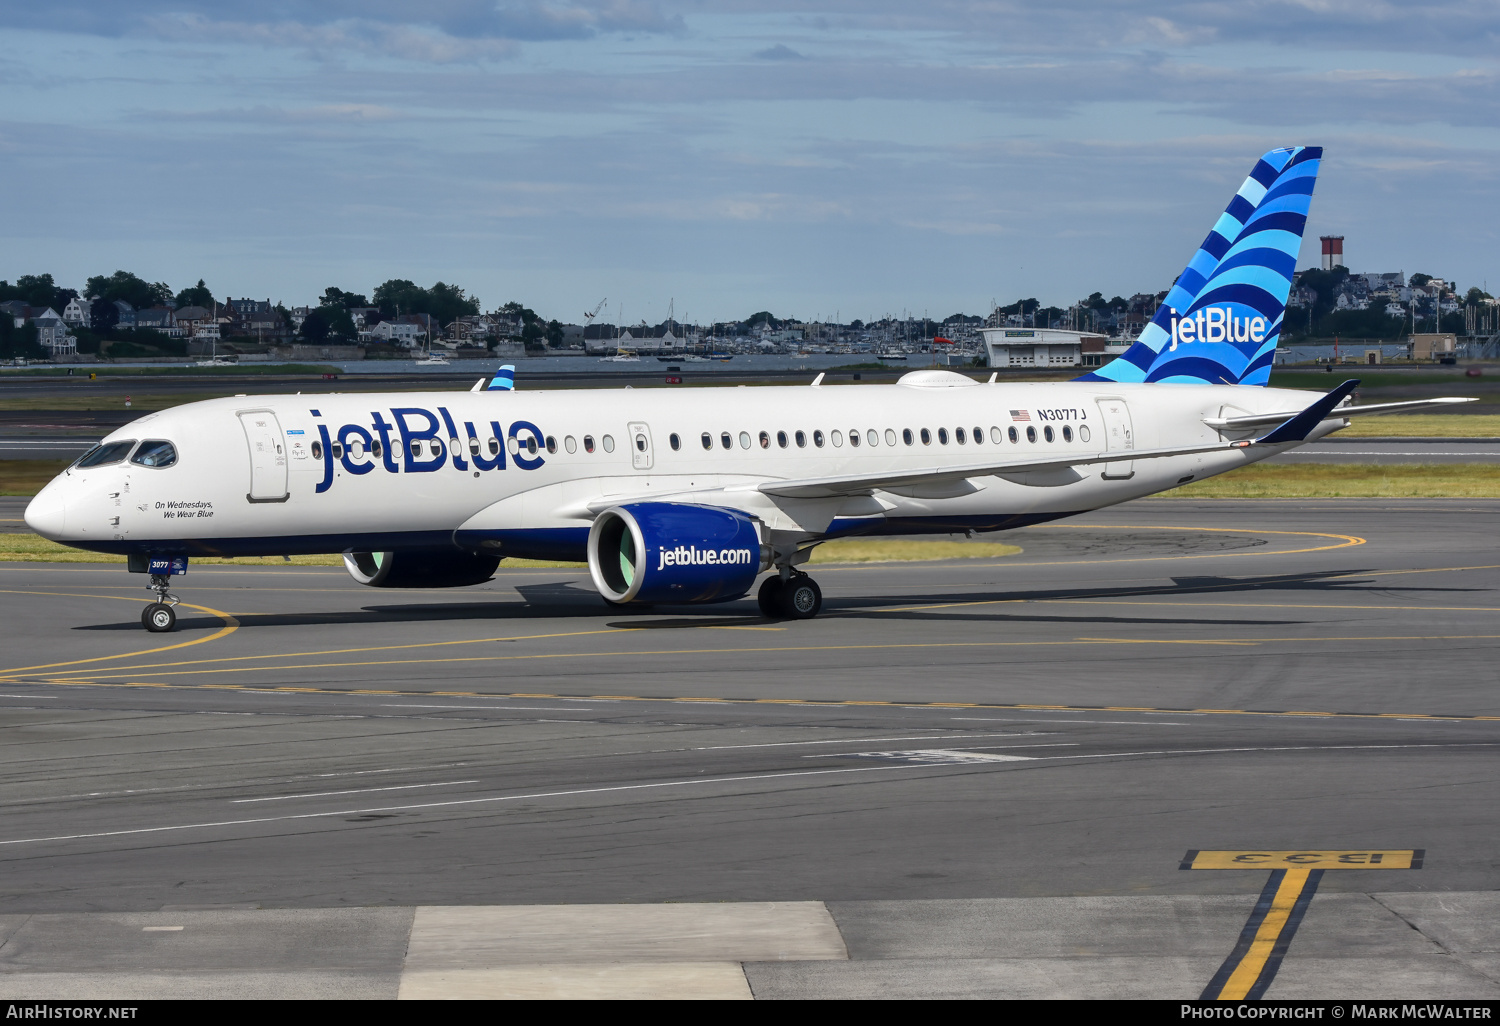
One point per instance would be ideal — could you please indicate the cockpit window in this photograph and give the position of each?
(110, 452)
(155, 453)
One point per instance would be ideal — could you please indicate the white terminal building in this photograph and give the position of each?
(1048, 347)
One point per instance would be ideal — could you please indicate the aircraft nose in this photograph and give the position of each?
(47, 514)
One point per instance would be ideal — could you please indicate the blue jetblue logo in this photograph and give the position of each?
(418, 441)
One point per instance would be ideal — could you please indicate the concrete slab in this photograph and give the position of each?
(145, 986)
(1176, 978)
(1462, 921)
(1373, 979)
(1356, 925)
(482, 937)
(717, 981)
(1188, 925)
(237, 939)
(9, 925)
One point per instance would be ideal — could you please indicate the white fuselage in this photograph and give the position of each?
(272, 475)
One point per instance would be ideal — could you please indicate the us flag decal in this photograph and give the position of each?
(1019, 415)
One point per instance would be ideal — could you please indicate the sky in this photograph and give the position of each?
(816, 159)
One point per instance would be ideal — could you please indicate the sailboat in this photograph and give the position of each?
(429, 358)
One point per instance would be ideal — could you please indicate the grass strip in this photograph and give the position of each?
(1349, 481)
(1422, 425)
(26, 477)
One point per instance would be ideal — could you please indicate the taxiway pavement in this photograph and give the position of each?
(1009, 753)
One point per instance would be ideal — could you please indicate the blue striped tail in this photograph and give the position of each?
(1222, 319)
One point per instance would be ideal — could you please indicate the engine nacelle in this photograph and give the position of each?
(674, 552)
(419, 569)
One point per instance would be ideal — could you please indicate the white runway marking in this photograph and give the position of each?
(360, 790)
(855, 741)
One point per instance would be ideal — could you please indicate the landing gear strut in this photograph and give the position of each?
(159, 617)
(798, 597)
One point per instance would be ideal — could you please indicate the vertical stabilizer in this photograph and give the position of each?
(1222, 318)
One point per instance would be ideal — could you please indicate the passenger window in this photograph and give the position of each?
(708, 440)
(765, 439)
(356, 449)
(338, 451)
(672, 438)
(155, 454)
(1047, 432)
(473, 446)
(113, 452)
(1031, 434)
(512, 446)
(837, 438)
(744, 439)
(435, 447)
(317, 449)
(906, 435)
(640, 443)
(552, 443)
(854, 438)
(959, 436)
(608, 442)
(376, 448)
(1083, 432)
(943, 436)
(455, 447)
(801, 437)
(571, 444)
(781, 439)
(818, 439)
(1014, 437)
(416, 450)
(1067, 433)
(996, 436)
(890, 436)
(531, 445)
(725, 441)
(979, 436)
(926, 437)
(494, 446)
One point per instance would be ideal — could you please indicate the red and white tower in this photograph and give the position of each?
(1333, 251)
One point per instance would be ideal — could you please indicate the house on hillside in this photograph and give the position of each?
(52, 333)
(400, 332)
(76, 313)
(124, 314)
(160, 319)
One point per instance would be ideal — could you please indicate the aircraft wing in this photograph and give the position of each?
(1259, 419)
(856, 484)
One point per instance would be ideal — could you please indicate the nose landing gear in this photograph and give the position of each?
(159, 617)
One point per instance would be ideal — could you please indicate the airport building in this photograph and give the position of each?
(1048, 347)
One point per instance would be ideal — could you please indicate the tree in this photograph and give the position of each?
(1475, 296)
(133, 290)
(333, 296)
(198, 295)
(554, 334)
(19, 342)
(762, 317)
(1419, 280)
(326, 321)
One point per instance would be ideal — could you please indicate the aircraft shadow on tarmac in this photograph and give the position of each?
(568, 600)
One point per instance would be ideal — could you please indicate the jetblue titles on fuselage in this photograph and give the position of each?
(417, 441)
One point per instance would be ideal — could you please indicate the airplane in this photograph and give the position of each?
(690, 495)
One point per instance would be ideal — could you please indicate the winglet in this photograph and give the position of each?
(1295, 429)
(818, 381)
(505, 379)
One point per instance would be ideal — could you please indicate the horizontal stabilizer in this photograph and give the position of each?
(1260, 419)
(1298, 426)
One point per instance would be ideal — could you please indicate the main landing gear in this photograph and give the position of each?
(798, 597)
(159, 617)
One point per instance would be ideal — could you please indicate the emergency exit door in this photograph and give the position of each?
(267, 456)
(640, 446)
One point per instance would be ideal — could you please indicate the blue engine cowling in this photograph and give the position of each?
(673, 552)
